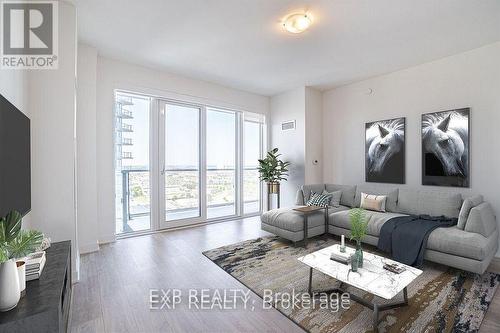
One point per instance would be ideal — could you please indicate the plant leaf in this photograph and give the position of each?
(12, 225)
(2, 231)
(3, 255)
(25, 243)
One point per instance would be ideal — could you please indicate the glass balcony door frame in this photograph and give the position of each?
(161, 162)
(262, 139)
(238, 167)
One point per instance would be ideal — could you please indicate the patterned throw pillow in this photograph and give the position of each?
(373, 202)
(321, 200)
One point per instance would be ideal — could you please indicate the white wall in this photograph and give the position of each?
(313, 136)
(300, 146)
(113, 75)
(87, 149)
(470, 79)
(290, 105)
(51, 104)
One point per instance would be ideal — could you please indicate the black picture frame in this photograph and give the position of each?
(443, 165)
(388, 169)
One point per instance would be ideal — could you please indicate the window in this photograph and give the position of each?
(221, 166)
(182, 162)
(132, 175)
(178, 163)
(251, 155)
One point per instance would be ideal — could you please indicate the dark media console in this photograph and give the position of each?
(46, 305)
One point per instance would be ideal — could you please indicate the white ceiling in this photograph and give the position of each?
(240, 43)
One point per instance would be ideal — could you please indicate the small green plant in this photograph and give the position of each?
(15, 242)
(359, 224)
(272, 169)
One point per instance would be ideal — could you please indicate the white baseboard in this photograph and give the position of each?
(88, 248)
(494, 265)
(107, 239)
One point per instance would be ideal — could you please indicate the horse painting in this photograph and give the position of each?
(385, 151)
(445, 148)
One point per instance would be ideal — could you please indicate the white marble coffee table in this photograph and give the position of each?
(372, 278)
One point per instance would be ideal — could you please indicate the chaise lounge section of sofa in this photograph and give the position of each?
(470, 247)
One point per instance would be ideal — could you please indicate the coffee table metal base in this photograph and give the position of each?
(371, 305)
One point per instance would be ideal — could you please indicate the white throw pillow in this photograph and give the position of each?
(373, 202)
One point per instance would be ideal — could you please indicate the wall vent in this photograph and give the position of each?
(288, 125)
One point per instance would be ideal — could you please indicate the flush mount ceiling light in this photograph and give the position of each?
(297, 22)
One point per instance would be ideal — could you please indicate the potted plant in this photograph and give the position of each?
(272, 170)
(14, 243)
(359, 228)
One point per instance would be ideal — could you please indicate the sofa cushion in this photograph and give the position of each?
(335, 198)
(288, 219)
(307, 189)
(461, 243)
(390, 192)
(333, 210)
(375, 220)
(481, 220)
(416, 202)
(348, 193)
(468, 204)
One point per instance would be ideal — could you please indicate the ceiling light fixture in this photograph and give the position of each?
(297, 22)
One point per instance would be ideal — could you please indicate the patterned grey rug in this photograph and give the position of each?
(442, 299)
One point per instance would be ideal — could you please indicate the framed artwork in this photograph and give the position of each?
(385, 151)
(446, 148)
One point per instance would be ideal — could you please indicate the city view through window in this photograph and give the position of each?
(182, 164)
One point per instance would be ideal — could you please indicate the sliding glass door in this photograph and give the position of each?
(221, 163)
(252, 143)
(179, 163)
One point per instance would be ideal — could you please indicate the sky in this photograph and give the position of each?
(182, 137)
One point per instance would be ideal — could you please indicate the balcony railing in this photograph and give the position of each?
(126, 128)
(182, 194)
(127, 142)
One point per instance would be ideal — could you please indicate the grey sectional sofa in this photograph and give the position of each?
(471, 248)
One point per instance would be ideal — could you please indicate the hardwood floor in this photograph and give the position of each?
(113, 293)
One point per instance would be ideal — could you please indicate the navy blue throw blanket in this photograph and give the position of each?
(405, 237)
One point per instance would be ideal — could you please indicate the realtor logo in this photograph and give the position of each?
(29, 34)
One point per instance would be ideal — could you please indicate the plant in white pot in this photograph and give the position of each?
(273, 170)
(14, 243)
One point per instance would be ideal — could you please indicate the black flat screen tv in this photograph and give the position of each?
(15, 159)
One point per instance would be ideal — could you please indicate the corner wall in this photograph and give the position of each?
(52, 108)
(470, 79)
(86, 120)
(287, 106)
(301, 146)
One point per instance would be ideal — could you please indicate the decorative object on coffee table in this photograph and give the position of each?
(342, 243)
(359, 227)
(14, 243)
(306, 210)
(373, 278)
(272, 170)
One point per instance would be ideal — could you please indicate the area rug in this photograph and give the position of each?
(442, 299)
